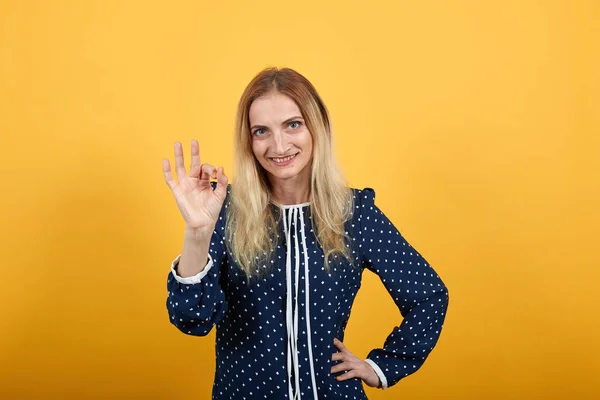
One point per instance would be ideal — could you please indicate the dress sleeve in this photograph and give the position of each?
(415, 287)
(196, 303)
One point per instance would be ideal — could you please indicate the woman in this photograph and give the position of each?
(275, 259)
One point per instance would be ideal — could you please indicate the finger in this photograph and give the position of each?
(221, 189)
(207, 171)
(338, 356)
(179, 168)
(348, 375)
(345, 366)
(339, 344)
(168, 175)
(195, 164)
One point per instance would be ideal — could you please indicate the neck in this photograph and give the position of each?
(290, 191)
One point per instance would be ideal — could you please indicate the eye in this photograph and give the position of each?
(257, 132)
(296, 122)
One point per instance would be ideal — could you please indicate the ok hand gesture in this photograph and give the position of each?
(198, 203)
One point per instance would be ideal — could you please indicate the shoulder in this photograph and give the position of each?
(364, 207)
(364, 197)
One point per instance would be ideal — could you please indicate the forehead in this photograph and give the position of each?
(272, 108)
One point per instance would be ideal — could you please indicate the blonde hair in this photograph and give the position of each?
(251, 229)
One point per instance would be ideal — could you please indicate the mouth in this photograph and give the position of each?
(280, 161)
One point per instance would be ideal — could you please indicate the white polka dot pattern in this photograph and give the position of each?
(251, 319)
(415, 287)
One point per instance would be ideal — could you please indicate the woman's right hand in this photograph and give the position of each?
(199, 204)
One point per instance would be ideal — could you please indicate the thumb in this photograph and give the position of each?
(222, 180)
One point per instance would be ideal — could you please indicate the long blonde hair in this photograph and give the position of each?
(251, 229)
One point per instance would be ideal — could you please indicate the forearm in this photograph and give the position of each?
(194, 255)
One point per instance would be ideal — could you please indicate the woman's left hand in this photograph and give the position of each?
(356, 367)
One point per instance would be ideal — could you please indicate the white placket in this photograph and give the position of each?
(291, 215)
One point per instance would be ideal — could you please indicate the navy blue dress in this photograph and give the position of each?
(274, 336)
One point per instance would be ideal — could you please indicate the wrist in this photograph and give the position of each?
(199, 233)
(383, 384)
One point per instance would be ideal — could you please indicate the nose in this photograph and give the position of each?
(279, 142)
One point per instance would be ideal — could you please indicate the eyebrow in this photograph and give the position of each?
(283, 123)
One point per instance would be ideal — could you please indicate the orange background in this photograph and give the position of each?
(477, 124)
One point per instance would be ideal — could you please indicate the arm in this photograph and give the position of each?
(196, 303)
(415, 287)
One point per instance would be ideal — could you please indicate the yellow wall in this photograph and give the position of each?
(476, 122)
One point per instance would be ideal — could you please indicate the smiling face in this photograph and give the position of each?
(281, 142)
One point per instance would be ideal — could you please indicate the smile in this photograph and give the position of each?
(283, 160)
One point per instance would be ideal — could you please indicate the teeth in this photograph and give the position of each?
(280, 160)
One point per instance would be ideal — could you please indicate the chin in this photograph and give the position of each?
(284, 174)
